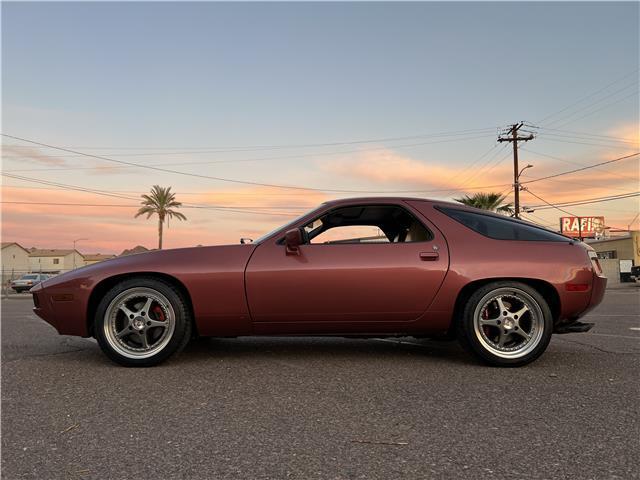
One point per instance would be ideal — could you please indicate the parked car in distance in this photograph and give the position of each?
(27, 281)
(364, 267)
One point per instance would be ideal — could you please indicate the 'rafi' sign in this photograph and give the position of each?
(582, 226)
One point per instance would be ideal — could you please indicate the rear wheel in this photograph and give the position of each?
(142, 321)
(506, 324)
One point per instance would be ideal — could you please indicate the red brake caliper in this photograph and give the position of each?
(485, 316)
(159, 313)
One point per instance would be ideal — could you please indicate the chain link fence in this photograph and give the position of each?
(9, 275)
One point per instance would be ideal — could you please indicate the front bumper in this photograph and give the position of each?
(62, 310)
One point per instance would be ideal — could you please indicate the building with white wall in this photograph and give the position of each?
(55, 261)
(15, 260)
(91, 258)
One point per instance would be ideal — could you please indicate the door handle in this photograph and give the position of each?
(429, 256)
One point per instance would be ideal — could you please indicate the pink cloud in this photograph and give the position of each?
(33, 155)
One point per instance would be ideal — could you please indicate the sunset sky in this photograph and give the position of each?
(333, 99)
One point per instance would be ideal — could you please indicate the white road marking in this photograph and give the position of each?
(637, 329)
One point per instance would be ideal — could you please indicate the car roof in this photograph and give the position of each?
(355, 200)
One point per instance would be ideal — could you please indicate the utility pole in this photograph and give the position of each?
(511, 135)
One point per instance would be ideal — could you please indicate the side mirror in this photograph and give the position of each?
(292, 241)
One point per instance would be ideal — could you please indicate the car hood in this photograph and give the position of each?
(172, 262)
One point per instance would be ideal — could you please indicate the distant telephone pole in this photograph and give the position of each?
(511, 135)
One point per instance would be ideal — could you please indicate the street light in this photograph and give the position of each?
(74, 250)
(528, 166)
(517, 188)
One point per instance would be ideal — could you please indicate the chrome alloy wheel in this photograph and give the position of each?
(139, 322)
(508, 322)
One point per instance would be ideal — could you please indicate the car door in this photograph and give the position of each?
(344, 287)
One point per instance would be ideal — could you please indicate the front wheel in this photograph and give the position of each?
(506, 324)
(142, 321)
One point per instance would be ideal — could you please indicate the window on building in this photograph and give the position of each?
(607, 254)
(56, 261)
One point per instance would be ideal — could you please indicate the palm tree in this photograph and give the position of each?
(487, 201)
(160, 201)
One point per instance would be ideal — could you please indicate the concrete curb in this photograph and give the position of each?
(624, 286)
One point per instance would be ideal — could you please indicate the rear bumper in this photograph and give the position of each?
(577, 304)
(598, 288)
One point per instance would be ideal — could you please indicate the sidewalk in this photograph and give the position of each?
(624, 286)
(19, 296)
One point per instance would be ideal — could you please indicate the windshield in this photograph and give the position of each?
(30, 277)
(285, 226)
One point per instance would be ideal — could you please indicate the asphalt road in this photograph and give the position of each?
(314, 408)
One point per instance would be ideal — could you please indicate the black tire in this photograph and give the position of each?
(179, 337)
(472, 340)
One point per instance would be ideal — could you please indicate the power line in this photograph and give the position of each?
(22, 187)
(176, 172)
(108, 194)
(314, 154)
(64, 186)
(229, 180)
(583, 168)
(602, 141)
(240, 160)
(489, 165)
(590, 200)
(469, 178)
(222, 209)
(304, 145)
(600, 109)
(576, 163)
(546, 225)
(591, 95)
(245, 209)
(583, 184)
(550, 204)
(231, 207)
(62, 204)
(586, 107)
(557, 207)
(67, 187)
(559, 140)
(586, 134)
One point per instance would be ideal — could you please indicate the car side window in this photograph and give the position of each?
(502, 228)
(366, 224)
(352, 234)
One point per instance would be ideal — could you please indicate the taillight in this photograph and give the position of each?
(577, 287)
(595, 263)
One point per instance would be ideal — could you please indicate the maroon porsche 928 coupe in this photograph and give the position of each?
(366, 267)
